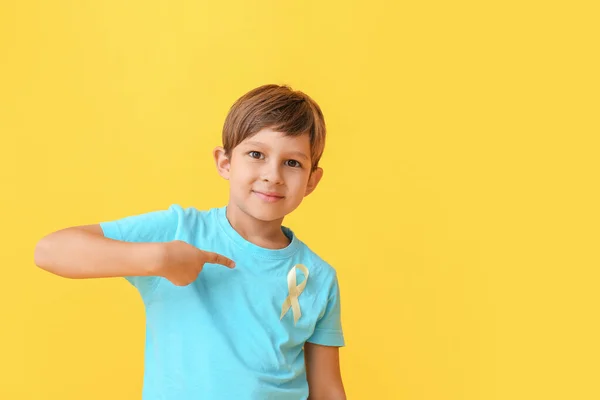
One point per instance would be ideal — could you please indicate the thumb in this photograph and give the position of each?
(215, 258)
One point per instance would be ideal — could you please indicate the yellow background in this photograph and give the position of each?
(459, 203)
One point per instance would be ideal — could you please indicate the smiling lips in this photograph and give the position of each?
(269, 197)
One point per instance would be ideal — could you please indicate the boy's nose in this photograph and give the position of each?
(272, 173)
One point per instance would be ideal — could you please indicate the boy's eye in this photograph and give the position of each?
(293, 163)
(255, 154)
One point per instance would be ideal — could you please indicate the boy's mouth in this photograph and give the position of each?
(270, 197)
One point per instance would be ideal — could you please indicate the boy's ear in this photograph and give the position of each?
(222, 162)
(313, 180)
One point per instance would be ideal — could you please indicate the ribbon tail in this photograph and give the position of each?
(285, 307)
(297, 314)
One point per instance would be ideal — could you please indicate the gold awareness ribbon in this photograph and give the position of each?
(295, 291)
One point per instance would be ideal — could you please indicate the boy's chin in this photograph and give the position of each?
(266, 212)
(266, 215)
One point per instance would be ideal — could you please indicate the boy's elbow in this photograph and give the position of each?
(339, 396)
(42, 257)
(331, 396)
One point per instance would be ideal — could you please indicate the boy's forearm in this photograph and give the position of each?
(76, 253)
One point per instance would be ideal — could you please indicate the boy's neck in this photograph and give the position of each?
(264, 234)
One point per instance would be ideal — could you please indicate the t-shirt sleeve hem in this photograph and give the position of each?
(111, 230)
(327, 338)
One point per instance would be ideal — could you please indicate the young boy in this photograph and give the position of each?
(266, 326)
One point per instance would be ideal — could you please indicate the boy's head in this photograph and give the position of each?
(273, 139)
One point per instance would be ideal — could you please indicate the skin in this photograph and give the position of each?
(269, 162)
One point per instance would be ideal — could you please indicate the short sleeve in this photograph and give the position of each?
(155, 226)
(328, 330)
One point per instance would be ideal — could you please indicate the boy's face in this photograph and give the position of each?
(269, 173)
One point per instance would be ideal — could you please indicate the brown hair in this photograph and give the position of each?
(279, 108)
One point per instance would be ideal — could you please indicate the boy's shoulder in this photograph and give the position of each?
(315, 258)
(315, 262)
(187, 213)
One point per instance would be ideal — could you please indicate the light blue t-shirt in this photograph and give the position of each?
(221, 337)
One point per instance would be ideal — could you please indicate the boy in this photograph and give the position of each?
(266, 326)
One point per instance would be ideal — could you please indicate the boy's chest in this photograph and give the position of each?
(282, 299)
(263, 318)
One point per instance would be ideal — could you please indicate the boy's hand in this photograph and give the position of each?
(183, 262)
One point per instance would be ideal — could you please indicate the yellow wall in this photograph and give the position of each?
(459, 204)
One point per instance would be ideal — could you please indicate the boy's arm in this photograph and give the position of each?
(323, 372)
(84, 252)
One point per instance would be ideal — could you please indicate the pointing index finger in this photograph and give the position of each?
(215, 258)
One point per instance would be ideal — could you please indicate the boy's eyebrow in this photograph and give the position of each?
(253, 143)
(259, 144)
